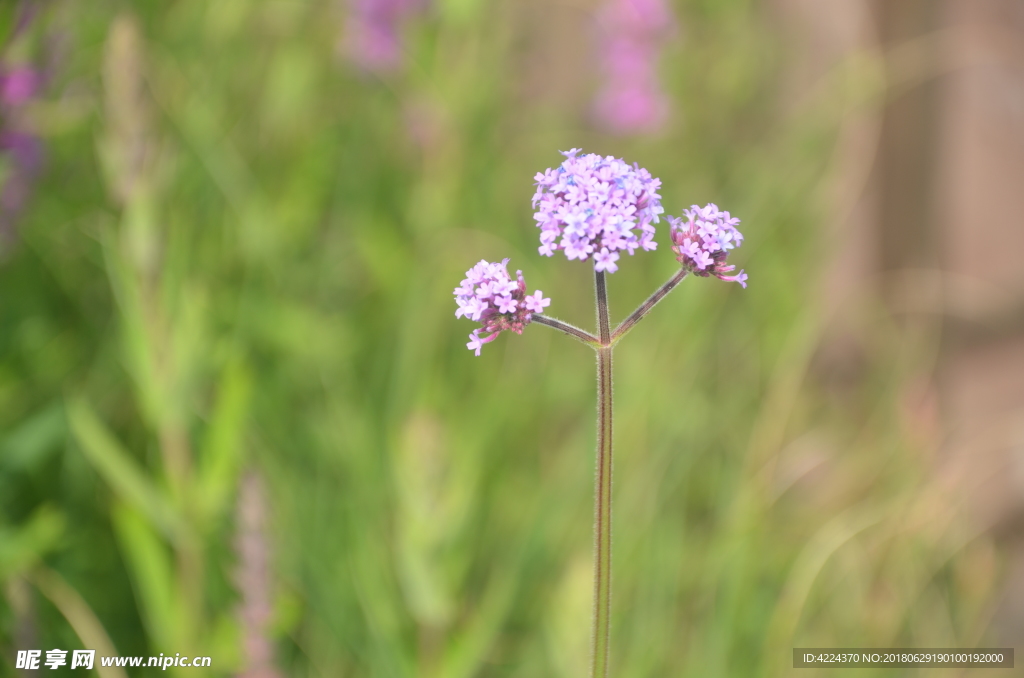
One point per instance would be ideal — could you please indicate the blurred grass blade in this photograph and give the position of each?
(808, 565)
(221, 449)
(149, 564)
(22, 546)
(120, 471)
(378, 599)
(124, 147)
(33, 440)
(79, 615)
(466, 654)
(138, 351)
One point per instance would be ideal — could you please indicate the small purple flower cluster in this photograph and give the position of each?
(702, 242)
(373, 32)
(594, 205)
(631, 98)
(489, 296)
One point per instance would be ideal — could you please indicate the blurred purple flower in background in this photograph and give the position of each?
(632, 33)
(373, 38)
(18, 86)
(21, 151)
(254, 578)
(22, 155)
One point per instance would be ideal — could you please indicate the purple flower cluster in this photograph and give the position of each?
(490, 297)
(596, 206)
(631, 98)
(373, 32)
(702, 242)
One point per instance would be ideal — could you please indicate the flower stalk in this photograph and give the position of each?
(603, 345)
(602, 489)
(571, 330)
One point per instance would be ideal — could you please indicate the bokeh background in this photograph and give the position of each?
(238, 418)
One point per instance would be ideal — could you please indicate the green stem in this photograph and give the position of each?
(645, 308)
(604, 333)
(603, 489)
(571, 330)
(603, 344)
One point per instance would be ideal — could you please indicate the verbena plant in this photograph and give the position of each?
(592, 208)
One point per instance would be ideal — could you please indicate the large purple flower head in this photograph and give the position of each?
(596, 206)
(702, 242)
(490, 297)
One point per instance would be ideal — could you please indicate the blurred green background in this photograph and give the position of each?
(238, 418)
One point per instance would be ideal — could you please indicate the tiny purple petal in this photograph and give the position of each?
(605, 261)
(475, 307)
(506, 304)
(740, 277)
(535, 302)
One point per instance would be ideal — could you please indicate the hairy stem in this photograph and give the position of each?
(645, 308)
(571, 330)
(602, 489)
(601, 291)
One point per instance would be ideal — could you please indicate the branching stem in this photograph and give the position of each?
(571, 330)
(603, 344)
(645, 308)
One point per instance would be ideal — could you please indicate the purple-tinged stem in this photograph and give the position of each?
(571, 330)
(603, 489)
(253, 578)
(645, 308)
